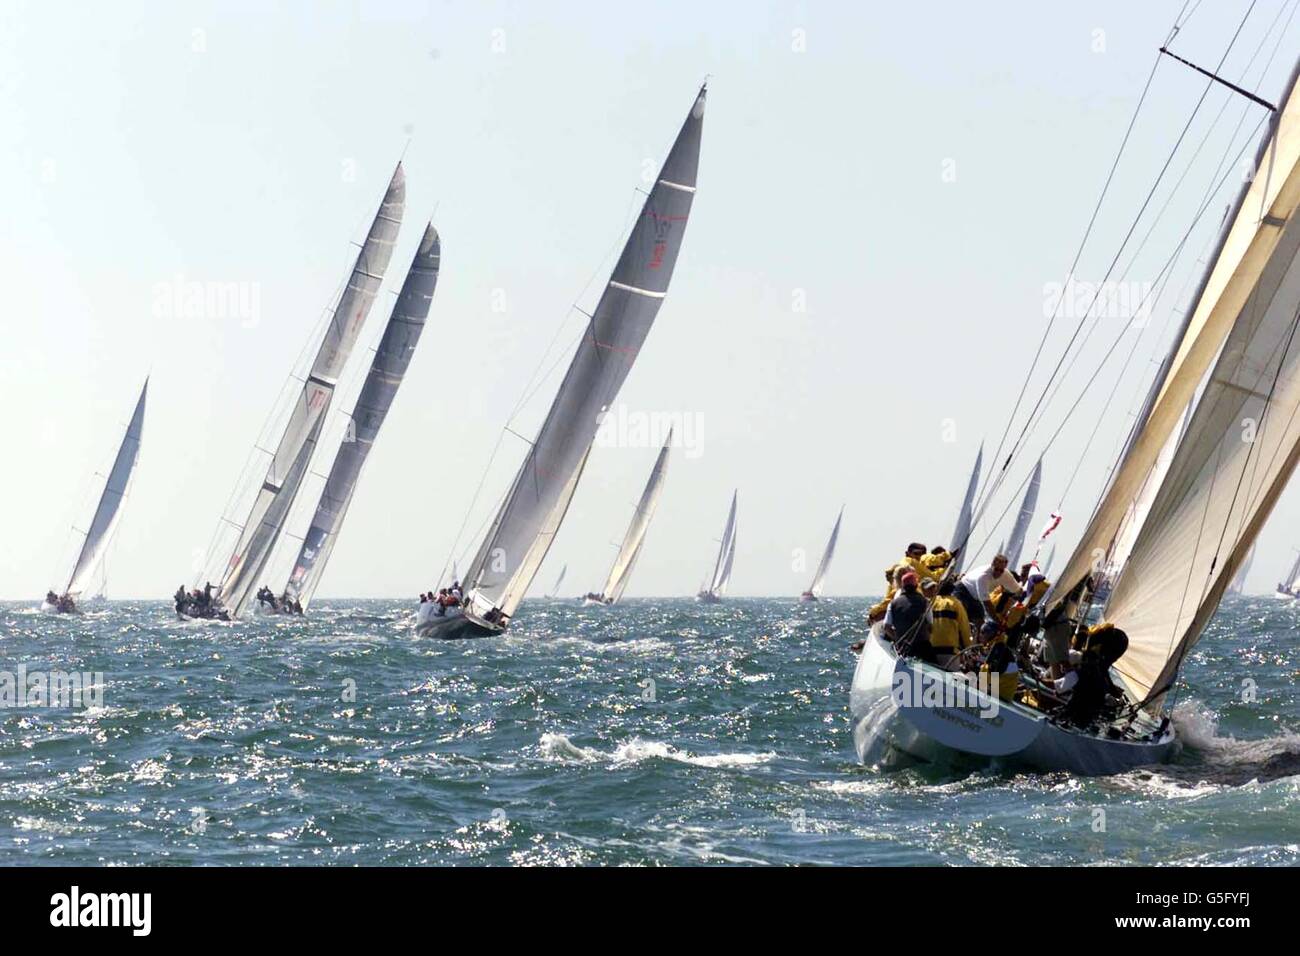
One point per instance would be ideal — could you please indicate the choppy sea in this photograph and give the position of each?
(657, 732)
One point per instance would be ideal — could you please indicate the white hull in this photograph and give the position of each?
(593, 602)
(808, 599)
(984, 731)
(1283, 595)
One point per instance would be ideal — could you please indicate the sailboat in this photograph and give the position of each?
(962, 530)
(387, 369)
(630, 549)
(261, 530)
(1238, 586)
(1288, 589)
(521, 534)
(814, 591)
(1238, 346)
(1016, 543)
(91, 555)
(715, 587)
(559, 581)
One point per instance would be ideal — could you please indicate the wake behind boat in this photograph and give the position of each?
(524, 528)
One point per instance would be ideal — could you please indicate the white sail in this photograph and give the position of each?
(1016, 543)
(819, 579)
(90, 559)
(717, 582)
(283, 480)
(962, 531)
(392, 357)
(1243, 439)
(1248, 243)
(630, 549)
(523, 529)
(1140, 507)
(725, 580)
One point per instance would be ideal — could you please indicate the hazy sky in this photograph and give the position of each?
(887, 193)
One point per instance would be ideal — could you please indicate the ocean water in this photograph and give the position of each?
(659, 732)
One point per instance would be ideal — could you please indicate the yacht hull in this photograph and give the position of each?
(707, 597)
(888, 726)
(454, 624)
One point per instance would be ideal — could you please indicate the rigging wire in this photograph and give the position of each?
(1074, 406)
(1032, 421)
(981, 496)
(532, 386)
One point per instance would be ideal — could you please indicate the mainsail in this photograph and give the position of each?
(110, 502)
(1247, 245)
(523, 529)
(1016, 543)
(962, 531)
(396, 348)
(1292, 576)
(289, 463)
(1137, 512)
(630, 550)
(1242, 441)
(819, 579)
(721, 576)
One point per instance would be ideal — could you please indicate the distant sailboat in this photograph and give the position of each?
(392, 357)
(558, 582)
(716, 586)
(1288, 589)
(1016, 543)
(90, 558)
(814, 591)
(962, 531)
(630, 550)
(1238, 586)
(261, 530)
(525, 526)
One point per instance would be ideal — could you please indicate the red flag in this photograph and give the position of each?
(1052, 522)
